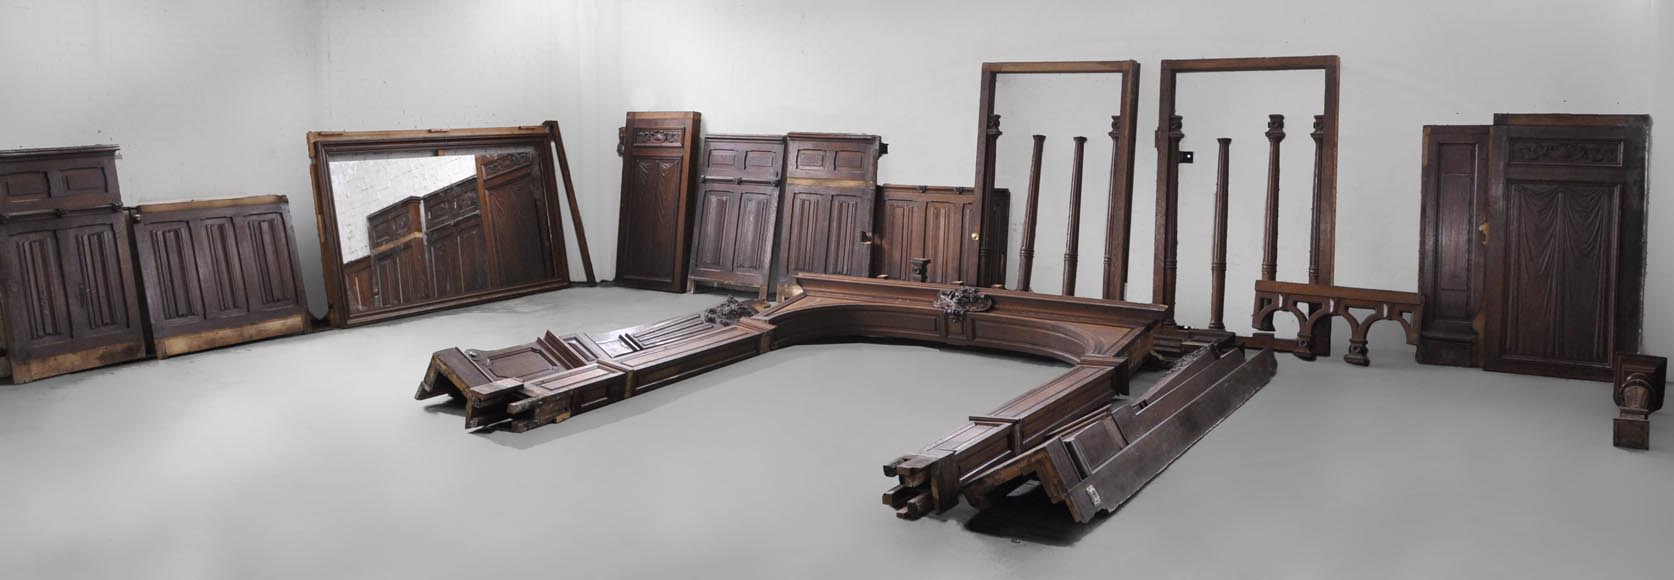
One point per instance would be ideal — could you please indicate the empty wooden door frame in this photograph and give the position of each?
(1120, 215)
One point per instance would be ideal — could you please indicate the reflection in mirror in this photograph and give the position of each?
(416, 227)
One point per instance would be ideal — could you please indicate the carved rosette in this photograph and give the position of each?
(961, 300)
(728, 313)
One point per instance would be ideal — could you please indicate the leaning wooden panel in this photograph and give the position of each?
(1452, 243)
(737, 210)
(219, 272)
(654, 237)
(70, 298)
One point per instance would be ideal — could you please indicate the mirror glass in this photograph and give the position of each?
(417, 227)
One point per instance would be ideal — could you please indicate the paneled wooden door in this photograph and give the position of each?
(1566, 244)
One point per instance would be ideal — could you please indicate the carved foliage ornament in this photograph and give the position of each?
(959, 301)
(728, 313)
(1567, 152)
(658, 136)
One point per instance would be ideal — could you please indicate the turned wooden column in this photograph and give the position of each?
(1313, 222)
(1116, 221)
(1072, 243)
(1217, 261)
(991, 133)
(1031, 207)
(1270, 237)
(1163, 283)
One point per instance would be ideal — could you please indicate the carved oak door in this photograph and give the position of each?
(1565, 247)
(654, 237)
(737, 210)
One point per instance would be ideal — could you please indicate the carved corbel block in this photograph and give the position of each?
(1639, 387)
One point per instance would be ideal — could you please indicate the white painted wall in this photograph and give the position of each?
(208, 98)
(213, 98)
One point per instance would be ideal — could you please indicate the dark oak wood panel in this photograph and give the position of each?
(654, 239)
(829, 205)
(1453, 241)
(219, 272)
(66, 264)
(933, 229)
(1566, 244)
(738, 210)
(42, 181)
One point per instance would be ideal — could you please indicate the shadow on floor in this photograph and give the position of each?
(1026, 515)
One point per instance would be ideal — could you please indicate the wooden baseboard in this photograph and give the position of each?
(198, 341)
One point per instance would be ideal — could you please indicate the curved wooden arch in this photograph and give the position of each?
(555, 377)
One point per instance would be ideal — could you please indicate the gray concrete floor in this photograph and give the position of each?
(306, 457)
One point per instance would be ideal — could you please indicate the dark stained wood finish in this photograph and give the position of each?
(1072, 244)
(658, 177)
(1312, 304)
(1270, 229)
(831, 184)
(1323, 237)
(460, 261)
(1452, 242)
(1031, 212)
(1217, 248)
(1566, 243)
(932, 226)
(70, 301)
(400, 266)
(38, 182)
(1099, 461)
(521, 224)
(218, 272)
(1121, 185)
(555, 377)
(515, 211)
(570, 196)
(738, 210)
(1641, 382)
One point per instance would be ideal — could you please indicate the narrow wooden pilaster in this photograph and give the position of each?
(1031, 208)
(1270, 236)
(1217, 262)
(1073, 242)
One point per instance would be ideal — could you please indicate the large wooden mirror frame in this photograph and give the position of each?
(326, 146)
(1322, 237)
(990, 262)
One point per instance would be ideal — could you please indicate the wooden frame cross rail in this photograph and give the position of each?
(1324, 302)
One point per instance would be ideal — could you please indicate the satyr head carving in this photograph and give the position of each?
(958, 301)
